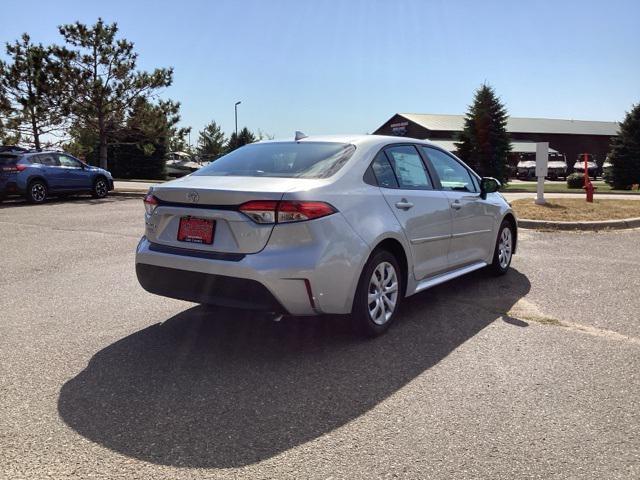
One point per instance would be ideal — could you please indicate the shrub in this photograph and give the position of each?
(575, 180)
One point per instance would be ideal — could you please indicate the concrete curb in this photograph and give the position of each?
(599, 225)
(127, 193)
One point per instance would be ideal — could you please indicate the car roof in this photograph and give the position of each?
(364, 140)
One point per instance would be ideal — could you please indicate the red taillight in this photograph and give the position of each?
(260, 211)
(150, 203)
(15, 168)
(291, 211)
(286, 211)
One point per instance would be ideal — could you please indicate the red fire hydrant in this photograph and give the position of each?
(588, 186)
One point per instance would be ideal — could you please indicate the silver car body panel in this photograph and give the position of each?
(313, 267)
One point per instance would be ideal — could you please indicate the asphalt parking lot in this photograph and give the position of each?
(531, 375)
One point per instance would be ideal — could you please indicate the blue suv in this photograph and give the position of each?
(35, 175)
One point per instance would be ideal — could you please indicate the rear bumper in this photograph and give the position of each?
(9, 188)
(309, 268)
(207, 288)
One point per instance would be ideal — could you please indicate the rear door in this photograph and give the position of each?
(54, 175)
(73, 176)
(423, 211)
(472, 236)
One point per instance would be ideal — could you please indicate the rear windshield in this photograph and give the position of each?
(282, 159)
(8, 160)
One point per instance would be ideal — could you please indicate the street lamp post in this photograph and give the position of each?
(236, 108)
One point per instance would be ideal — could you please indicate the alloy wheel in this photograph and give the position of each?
(382, 293)
(504, 248)
(38, 192)
(101, 188)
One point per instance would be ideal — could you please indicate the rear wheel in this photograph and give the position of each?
(378, 295)
(100, 188)
(37, 192)
(504, 249)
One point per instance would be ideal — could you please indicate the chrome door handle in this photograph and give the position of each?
(404, 205)
(456, 205)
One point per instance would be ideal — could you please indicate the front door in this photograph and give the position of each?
(74, 176)
(472, 236)
(52, 171)
(423, 212)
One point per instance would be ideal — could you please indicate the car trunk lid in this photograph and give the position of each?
(217, 198)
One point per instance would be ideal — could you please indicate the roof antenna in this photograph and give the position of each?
(299, 136)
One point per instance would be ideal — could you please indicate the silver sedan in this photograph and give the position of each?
(323, 225)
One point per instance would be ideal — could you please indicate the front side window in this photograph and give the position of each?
(282, 159)
(408, 167)
(66, 161)
(453, 175)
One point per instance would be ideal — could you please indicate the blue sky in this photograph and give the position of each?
(347, 66)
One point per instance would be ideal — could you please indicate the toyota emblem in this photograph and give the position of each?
(193, 197)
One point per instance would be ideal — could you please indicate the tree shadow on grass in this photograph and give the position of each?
(223, 388)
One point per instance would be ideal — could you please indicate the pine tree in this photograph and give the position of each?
(625, 152)
(178, 140)
(31, 95)
(104, 82)
(236, 141)
(211, 141)
(484, 143)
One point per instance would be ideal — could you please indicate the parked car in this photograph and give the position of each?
(178, 164)
(324, 225)
(606, 168)
(12, 148)
(592, 167)
(556, 166)
(35, 175)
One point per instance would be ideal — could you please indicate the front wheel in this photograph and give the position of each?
(100, 188)
(378, 295)
(504, 249)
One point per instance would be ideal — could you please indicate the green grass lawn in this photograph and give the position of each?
(561, 187)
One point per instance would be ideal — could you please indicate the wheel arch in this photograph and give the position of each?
(396, 248)
(97, 177)
(33, 178)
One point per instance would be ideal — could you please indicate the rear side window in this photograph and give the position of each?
(408, 167)
(47, 159)
(383, 171)
(282, 159)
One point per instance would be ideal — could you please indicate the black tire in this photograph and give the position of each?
(100, 188)
(37, 191)
(361, 317)
(499, 266)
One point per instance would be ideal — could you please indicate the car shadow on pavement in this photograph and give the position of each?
(221, 388)
(81, 200)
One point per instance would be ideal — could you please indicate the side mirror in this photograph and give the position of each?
(488, 185)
